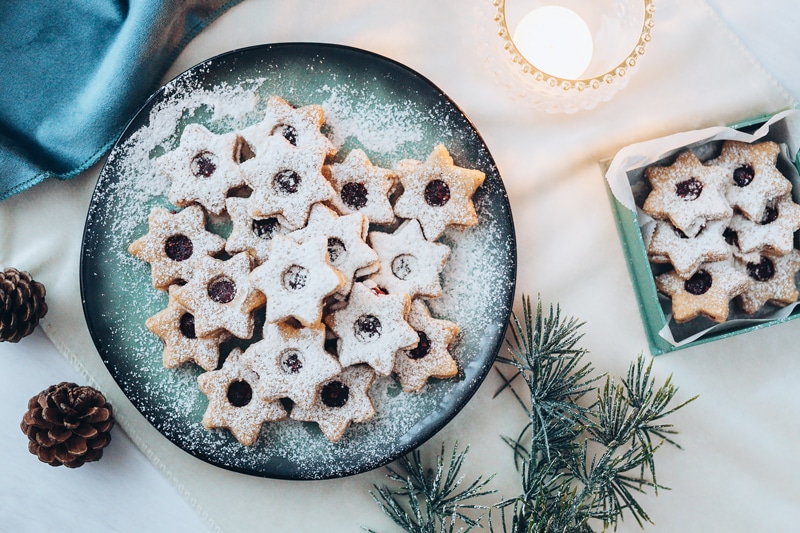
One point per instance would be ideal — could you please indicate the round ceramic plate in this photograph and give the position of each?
(370, 102)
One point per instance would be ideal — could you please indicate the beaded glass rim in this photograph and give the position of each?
(595, 82)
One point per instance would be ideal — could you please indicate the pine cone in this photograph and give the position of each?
(68, 425)
(21, 304)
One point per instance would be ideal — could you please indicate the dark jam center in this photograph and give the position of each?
(689, 189)
(335, 249)
(335, 394)
(287, 181)
(770, 215)
(291, 363)
(239, 393)
(265, 228)
(287, 132)
(743, 175)
(761, 271)
(731, 237)
(178, 247)
(367, 328)
(295, 278)
(699, 283)
(403, 266)
(437, 193)
(222, 290)
(187, 326)
(422, 349)
(204, 165)
(354, 195)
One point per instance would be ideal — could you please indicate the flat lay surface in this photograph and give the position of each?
(709, 64)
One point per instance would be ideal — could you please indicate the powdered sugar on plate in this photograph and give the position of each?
(370, 103)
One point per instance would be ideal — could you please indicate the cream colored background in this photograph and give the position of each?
(739, 467)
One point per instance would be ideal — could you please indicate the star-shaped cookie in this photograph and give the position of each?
(340, 401)
(408, 262)
(772, 279)
(233, 402)
(669, 245)
(687, 193)
(292, 363)
(362, 187)
(251, 235)
(372, 328)
(175, 326)
(752, 179)
(174, 244)
(773, 233)
(347, 250)
(708, 292)
(220, 296)
(296, 126)
(203, 168)
(431, 357)
(286, 182)
(437, 193)
(296, 279)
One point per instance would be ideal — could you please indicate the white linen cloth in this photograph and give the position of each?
(738, 438)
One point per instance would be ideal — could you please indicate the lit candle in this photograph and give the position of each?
(555, 40)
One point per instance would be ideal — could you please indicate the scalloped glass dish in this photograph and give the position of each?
(370, 102)
(620, 30)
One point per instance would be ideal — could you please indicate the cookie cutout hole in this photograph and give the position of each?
(178, 247)
(437, 193)
(239, 393)
(286, 182)
(367, 328)
(743, 175)
(731, 237)
(203, 165)
(761, 271)
(291, 363)
(404, 266)
(335, 394)
(265, 228)
(422, 349)
(287, 132)
(295, 278)
(770, 215)
(689, 189)
(336, 250)
(354, 195)
(698, 284)
(222, 290)
(187, 326)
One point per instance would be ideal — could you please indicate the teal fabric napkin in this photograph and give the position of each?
(74, 72)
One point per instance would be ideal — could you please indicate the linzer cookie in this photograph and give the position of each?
(772, 234)
(670, 245)
(250, 234)
(175, 327)
(437, 193)
(174, 244)
(372, 328)
(431, 357)
(204, 168)
(752, 179)
(292, 363)
(233, 402)
(340, 401)
(708, 292)
(687, 193)
(772, 279)
(221, 297)
(362, 187)
(408, 262)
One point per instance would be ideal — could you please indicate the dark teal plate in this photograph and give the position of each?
(370, 102)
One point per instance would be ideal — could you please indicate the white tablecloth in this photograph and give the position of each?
(738, 469)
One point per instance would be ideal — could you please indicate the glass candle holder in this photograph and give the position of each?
(603, 39)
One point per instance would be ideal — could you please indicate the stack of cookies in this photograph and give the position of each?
(341, 256)
(727, 228)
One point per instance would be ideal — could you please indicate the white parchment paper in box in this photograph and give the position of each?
(625, 176)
